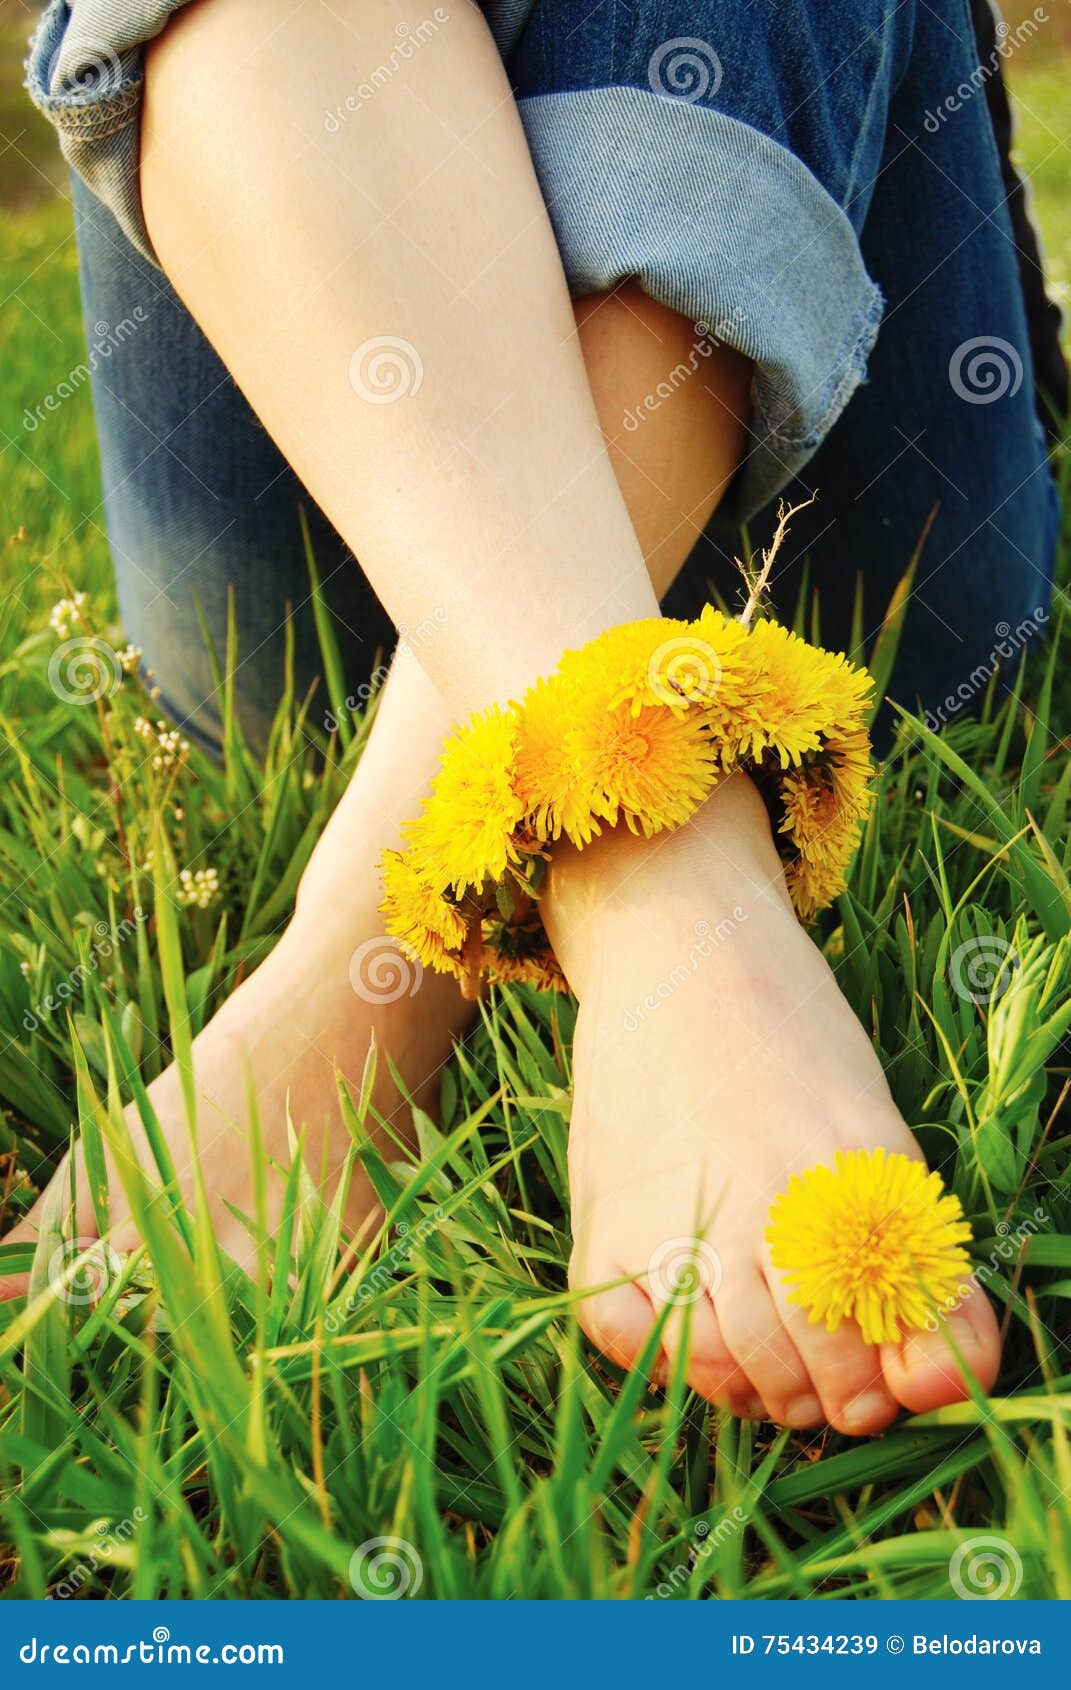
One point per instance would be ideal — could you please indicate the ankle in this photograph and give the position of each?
(721, 866)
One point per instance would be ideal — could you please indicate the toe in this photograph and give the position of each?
(618, 1321)
(14, 1285)
(764, 1350)
(25, 1234)
(710, 1368)
(846, 1371)
(28, 1230)
(924, 1373)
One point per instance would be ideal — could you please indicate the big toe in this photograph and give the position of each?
(925, 1372)
(24, 1238)
(619, 1321)
(15, 1278)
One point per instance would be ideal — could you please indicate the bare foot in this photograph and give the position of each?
(331, 983)
(714, 1057)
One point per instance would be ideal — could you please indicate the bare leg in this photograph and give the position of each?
(487, 495)
(311, 1005)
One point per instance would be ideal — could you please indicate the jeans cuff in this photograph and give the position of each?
(86, 74)
(727, 227)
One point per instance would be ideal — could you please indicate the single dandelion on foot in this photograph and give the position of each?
(879, 1241)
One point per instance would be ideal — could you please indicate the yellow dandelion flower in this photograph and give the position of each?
(464, 835)
(851, 768)
(814, 886)
(419, 917)
(797, 693)
(653, 769)
(547, 775)
(541, 971)
(663, 660)
(878, 1241)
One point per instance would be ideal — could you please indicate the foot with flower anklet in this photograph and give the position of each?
(690, 964)
(648, 825)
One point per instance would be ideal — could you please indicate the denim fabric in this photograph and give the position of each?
(85, 73)
(774, 173)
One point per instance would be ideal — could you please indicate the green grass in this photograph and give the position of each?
(197, 1432)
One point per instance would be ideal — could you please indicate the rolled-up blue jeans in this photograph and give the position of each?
(815, 183)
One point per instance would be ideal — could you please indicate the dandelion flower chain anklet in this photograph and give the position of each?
(637, 727)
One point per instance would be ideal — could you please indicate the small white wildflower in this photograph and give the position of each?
(129, 658)
(198, 888)
(24, 969)
(66, 614)
(171, 748)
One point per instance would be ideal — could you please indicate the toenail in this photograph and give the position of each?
(803, 1411)
(924, 1350)
(863, 1413)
